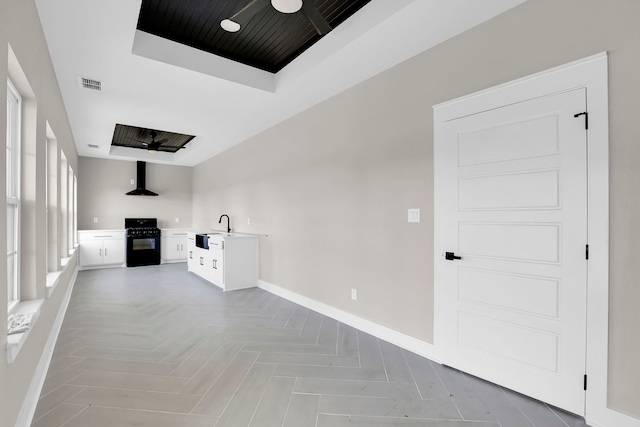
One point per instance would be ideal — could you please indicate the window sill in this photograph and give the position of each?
(16, 341)
(52, 281)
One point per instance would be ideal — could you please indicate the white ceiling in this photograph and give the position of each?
(175, 88)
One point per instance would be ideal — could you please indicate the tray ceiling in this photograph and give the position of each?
(268, 40)
(149, 139)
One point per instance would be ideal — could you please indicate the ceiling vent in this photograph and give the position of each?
(89, 83)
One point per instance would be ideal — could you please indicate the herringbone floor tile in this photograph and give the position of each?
(157, 346)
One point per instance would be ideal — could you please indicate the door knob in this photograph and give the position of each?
(451, 256)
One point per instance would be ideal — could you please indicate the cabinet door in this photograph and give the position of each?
(182, 253)
(113, 251)
(91, 252)
(199, 262)
(190, 245)
(170, 248)
(204, 260)
(191, 257)
(216, 266)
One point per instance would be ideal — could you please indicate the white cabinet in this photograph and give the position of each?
(215, 259)
(173, 246)
(231, 262)
(191, 244)
(101, 247)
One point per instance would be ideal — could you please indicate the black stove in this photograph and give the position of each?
(143, 231)
(143, 241)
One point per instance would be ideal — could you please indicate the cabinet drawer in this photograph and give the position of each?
(100, 235)
(216, 244)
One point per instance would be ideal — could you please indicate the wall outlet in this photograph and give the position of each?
(177, 219)
(95, 219)
(132, 182)
(354, 294)
(248, 221)
(413, 215)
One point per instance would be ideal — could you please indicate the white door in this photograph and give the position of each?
(513, 203)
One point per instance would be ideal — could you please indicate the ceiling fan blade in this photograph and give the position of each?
(136, 140)
(315, 17)
(244, 15)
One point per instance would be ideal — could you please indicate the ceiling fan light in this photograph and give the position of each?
(229, 25)
(287, 6)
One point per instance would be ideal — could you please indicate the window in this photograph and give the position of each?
(14, 102)
(70, 198)
(53, 260)
(75, 210)
(64, 206)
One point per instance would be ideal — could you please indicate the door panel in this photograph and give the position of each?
(532, 136)
(518, 190)
(514, 208)
(527, 294)
(505, 240)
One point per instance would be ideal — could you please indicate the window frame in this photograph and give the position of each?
(13, 148)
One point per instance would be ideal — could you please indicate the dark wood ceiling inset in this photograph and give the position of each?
(269, 41)
(135, 137)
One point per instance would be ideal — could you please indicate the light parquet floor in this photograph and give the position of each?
(157, 346)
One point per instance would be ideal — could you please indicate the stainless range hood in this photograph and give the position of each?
(141, 182)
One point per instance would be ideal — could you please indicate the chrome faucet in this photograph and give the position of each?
(228, 224)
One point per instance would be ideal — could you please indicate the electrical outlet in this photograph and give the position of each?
(177, 219)
(133, 181)
(413, 215)
(95, 219)
(354, 294)
(248, 221)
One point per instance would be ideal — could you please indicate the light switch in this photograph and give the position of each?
(95, 219)
(177, 219)
(414, 215)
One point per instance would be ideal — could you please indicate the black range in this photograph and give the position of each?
(143, 241)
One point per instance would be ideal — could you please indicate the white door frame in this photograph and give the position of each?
(590, 73)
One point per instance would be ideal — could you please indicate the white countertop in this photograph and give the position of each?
(224, 235)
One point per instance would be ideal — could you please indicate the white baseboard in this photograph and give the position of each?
(614, 419)
(33, 394)
(407, 342)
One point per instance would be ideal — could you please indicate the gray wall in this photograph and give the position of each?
(102, 185)
(21, 29)
(331, 186)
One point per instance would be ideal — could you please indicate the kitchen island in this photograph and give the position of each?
(228, 260)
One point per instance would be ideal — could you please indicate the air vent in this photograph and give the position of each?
(89, 83)
(93, 146)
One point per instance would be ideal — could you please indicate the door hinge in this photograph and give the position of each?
(585, 382)
(586, 118)
(587, 252)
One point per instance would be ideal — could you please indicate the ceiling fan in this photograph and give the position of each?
(306, 7)
(153, 146)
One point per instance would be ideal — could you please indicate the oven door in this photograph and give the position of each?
(143, 250)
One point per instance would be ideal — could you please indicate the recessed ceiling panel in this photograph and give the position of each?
(149, 139)
(267, 39)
